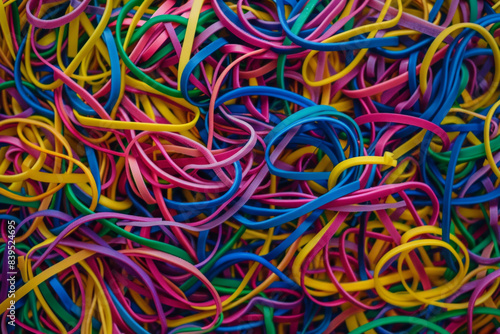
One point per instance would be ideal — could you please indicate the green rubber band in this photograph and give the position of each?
(399, 319)
(189, 283)
(160, 246)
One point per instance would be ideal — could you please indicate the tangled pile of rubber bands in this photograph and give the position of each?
(248, 166)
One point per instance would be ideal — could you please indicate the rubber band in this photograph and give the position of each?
(245, 166)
